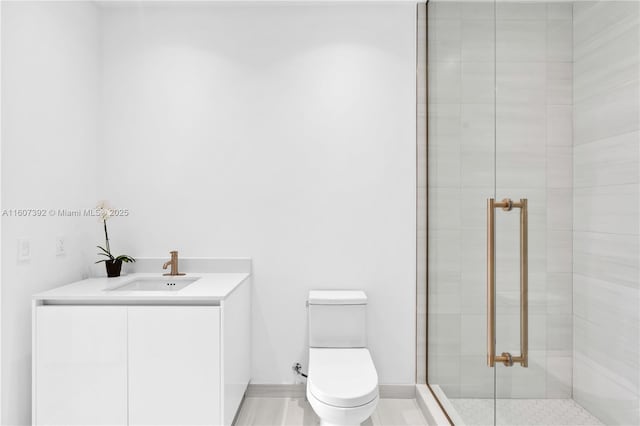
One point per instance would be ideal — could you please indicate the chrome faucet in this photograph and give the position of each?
(174, 265)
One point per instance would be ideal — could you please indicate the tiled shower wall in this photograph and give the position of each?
(523, 130)
(606, 194)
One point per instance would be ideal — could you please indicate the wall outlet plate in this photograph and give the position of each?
(24, 250)
(61, 245)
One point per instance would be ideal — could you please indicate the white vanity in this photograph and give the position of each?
(142, 349)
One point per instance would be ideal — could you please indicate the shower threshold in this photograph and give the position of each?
(515, 412)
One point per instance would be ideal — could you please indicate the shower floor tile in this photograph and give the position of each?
(523, 412)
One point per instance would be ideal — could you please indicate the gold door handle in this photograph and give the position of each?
(506, 358)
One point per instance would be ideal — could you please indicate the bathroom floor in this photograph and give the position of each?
(523, 412)
(298, 412)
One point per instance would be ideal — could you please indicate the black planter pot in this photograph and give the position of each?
(113, 268)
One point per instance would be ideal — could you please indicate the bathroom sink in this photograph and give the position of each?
(156, 284)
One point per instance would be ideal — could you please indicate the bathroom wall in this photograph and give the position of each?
(282, 132)
(514, 141)
(49, 101)
(606, 296)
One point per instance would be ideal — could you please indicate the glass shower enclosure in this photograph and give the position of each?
(533, 119)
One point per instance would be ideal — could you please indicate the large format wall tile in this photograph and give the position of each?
(609, 257)
(559, 40)
(602, 116)
(606, 270)
(609, 161)
(478, 40)
(521, 40)
(560, 10)
(559, 125)
(506, 11)
(521, 82)
(560, 168)
(609, 209)
(559, 83)
(477, 82)
(596, 389)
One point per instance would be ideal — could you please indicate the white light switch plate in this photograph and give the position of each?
(24, 250)
(61, 245)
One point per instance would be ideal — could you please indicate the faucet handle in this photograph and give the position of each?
(174, 264)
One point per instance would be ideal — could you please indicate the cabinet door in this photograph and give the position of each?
(174, 365)
(80, 365)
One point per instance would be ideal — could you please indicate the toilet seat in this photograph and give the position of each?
(342, 377)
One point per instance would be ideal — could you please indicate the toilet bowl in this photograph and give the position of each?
(342, 383)
(342, 387)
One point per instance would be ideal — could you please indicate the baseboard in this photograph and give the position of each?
(430, 407)
(258, 390)
(397, 391)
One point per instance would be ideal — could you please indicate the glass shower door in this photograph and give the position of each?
(461, 164)
(521, 330)
(500, 275)
(531, 288)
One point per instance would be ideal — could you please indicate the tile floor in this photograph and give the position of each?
(298, 412)
(523, 412)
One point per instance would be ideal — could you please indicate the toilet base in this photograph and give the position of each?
(341, 416)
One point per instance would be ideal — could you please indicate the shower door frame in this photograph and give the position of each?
(422, 196)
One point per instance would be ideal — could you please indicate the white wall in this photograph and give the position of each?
(281, 132)
(49, 101)
(606, 268)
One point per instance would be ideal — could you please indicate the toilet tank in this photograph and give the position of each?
(337, 319)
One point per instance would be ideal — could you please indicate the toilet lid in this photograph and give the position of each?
(342, 377)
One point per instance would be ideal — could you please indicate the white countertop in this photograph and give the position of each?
(210, 287)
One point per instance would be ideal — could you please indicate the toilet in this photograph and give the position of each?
(342, 383)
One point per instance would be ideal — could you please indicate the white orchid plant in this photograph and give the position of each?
(104, 212)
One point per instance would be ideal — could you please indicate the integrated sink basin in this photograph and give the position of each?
(156, 284)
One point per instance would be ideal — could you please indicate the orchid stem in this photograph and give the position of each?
(106, 236)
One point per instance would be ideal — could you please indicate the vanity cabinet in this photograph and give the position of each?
(143, 364)
(81, 365)
(174, 365)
